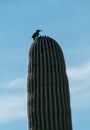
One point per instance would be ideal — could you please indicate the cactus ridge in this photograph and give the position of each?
(48, 88)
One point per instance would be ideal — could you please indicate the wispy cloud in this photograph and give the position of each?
(13, 101)
(14, 83)
(17, 82)
(80, 86)
(79, 73)
(12, 107)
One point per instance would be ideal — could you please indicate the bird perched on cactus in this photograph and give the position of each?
(36, 34)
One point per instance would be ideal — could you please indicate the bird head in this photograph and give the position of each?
(38, 30)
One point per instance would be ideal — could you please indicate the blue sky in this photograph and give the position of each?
(68, 22)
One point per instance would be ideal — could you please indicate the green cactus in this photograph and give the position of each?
(48, 88)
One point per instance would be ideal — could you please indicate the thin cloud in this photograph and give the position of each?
(80, 86)
(13, 101)
(15, 83)
(79, 73)
(12, 108)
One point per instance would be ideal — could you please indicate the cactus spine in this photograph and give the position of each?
(48, 89)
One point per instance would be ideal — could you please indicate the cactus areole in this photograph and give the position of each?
(47, 87)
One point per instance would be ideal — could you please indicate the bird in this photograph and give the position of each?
(36, 34)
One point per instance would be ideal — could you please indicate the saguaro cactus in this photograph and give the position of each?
(47, 85)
